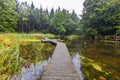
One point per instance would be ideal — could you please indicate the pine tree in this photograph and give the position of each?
(51, 13)
(8, 16)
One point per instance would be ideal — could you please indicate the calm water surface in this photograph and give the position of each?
(35, 57)
(95, 60)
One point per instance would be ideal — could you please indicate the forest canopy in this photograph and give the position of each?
(99, 17)
(25, 18)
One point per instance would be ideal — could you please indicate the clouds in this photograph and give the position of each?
(67, 4)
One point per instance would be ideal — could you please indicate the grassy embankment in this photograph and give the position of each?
(72, 37)
(10, 61)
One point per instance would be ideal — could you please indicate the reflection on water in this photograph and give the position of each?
(98, 61)
(77, 63)
(33, 72)
(35, 57)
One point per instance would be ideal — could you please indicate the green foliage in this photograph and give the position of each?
(90, 31)
(19, 36)
(51, 13)
(24, 36)
(72, 37)
(57, 22)
(101, 15)
(16, 54)
(14, 57)
(44, 20)
(24, 12)
(8, 16)
(118, 30)
(63, 23)
(31, 19)
(9, 62)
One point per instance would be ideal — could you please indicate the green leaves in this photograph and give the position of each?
(27, 18)
(105, 13)
(118, 30)
(8, 16)
(65, 23)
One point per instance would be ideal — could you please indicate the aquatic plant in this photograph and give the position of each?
(95, 70)
(13, 48)
(9, 61)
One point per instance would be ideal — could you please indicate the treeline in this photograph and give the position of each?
(24, 18)
(101, 17)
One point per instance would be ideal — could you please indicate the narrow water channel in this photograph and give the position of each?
(95, 60)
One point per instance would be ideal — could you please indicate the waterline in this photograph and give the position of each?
(77, 63)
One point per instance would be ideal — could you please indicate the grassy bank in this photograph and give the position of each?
(71, 37)
(23, 36)
(10, 60)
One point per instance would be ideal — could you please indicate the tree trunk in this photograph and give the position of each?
(22, 27)
(33, 27)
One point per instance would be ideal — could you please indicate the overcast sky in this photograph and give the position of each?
(77, 5)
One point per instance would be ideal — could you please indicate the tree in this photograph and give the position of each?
(44, 20)
(62, 23)
(59, 9)
(47, 11)
(101, 15)
(8, 16)
(51, 13)
(24, 13)
(57, 23)
(74, 17)
(32, 18)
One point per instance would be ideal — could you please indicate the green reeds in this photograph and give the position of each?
(9, 62)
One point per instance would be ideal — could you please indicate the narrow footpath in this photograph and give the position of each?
(60, 66)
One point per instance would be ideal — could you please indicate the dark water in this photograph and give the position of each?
(95, 60)
(35, 56)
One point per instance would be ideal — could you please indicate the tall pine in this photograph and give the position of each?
(8, 16)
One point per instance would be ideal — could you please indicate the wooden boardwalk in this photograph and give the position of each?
(60, 66)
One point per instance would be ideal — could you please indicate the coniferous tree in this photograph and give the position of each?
(24, 13)
(8, 16)
(32, 18)
(101, 17)
(51, 13)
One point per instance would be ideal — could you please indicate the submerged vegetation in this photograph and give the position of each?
(92, 69)
(16, 51)
(98, 61)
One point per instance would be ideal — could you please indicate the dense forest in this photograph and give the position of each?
(25, 18)
(99, 17)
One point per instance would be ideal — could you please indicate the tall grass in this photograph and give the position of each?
(20, 36)
(10, 61)
(40, 35)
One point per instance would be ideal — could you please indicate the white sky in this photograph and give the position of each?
(77, 5)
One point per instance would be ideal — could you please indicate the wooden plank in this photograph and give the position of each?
(60, 66)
